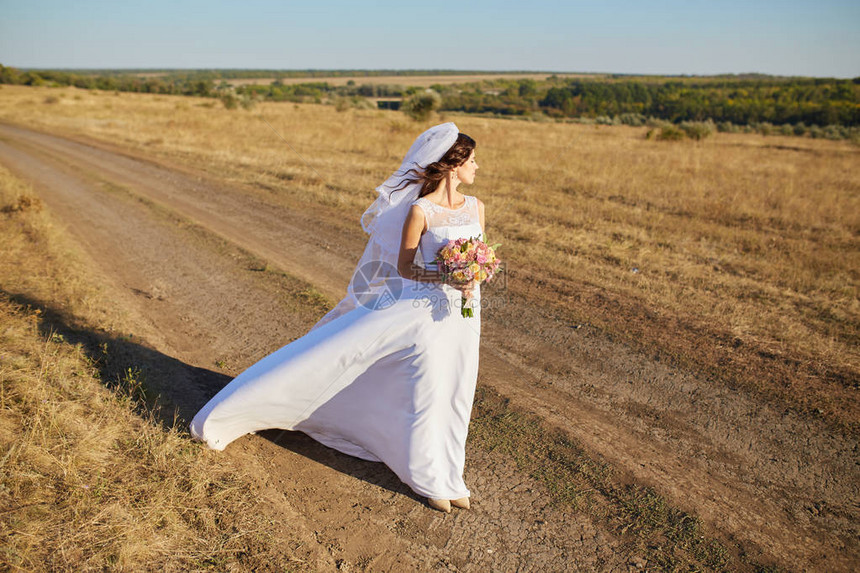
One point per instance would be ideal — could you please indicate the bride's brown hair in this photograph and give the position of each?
(434, 173)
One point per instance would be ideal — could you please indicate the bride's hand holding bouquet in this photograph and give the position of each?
(465, 263)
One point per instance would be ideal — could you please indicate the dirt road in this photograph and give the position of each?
(184, 252)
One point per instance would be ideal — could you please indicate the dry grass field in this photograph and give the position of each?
(736, 258)
(737, 254)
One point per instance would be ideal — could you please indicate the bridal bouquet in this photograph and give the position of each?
(466, 260)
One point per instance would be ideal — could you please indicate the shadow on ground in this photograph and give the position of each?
(173, 391)
(375, 473)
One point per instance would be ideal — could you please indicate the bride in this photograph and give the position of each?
(388, 374)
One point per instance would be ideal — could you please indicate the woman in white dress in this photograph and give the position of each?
(389, 373)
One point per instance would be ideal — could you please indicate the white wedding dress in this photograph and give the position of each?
(393, 384)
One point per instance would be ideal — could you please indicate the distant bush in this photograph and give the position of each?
(248, 101)
(800, 129)
(697, 130)
(604, 120)
(230, 101)
(634, 119)
(765, 128)
(420, 105)
(342, 104)
(538, 117)
(728, 127)
(835, 132)
(670, 133)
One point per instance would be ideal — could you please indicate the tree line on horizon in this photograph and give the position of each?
(811, 101)
(742, 100)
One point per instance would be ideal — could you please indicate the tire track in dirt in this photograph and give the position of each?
(783, 483)
(197, 304)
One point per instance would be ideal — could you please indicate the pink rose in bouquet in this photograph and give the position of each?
(466, 260)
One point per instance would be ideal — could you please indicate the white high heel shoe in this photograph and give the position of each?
(462, 503)
(440, 504)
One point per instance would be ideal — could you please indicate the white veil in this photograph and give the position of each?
(376, 283)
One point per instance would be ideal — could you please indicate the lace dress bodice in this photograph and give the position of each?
(445, 224)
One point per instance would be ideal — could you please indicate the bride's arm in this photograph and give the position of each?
(413, 228)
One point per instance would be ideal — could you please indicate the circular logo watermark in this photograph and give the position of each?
(377, 285)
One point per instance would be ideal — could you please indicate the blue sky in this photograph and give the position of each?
(788, 37)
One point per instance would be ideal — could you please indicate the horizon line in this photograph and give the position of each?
(428, 71)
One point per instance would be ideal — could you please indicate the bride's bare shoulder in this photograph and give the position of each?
(416, 217)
